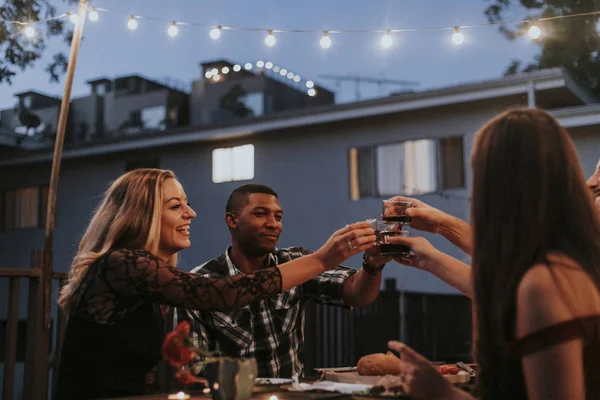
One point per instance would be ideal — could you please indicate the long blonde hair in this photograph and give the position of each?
(128, 217)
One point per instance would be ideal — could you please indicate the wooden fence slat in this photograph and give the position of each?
(10, 346)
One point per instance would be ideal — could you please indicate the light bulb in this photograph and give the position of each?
(312, 92)
(276, 69)
(325, 41)
(457, 37)
(74, 18)
(208, 74)
(216, 77)
(215, 33)
(290, 75)
(283, 72)
(132, 24)
(225, 70)
(297, 78)
(30, 31)
(270, 40)
(386, 40)
(260, 64)
(268, 65)
(214, 71)
(173, 29)
(93, 15)
(534, 32)
(310, 84)
(237, 68)
(248, 66)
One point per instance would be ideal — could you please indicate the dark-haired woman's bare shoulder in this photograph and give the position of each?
(555, 292)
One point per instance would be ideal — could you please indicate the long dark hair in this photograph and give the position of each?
(529, 199)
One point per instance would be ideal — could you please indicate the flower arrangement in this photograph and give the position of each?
(179, 350)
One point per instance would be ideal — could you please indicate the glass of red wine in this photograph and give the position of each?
(395, 211)
(386, 232)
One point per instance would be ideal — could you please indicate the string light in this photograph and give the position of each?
(276, 69)
(283, 72)
(132, 24)
(534, 31)
(270, 39)
(173, 29)
(237, 68)
(325, 41)
(290, 75)
(297, 78)
(216, 77)
(457, 37)
(225, 70)
(208, 74)
(310, 84)
(93, 15)
(74, 18)
(312, 92)
(268, 65)
(214, 71)
(248, 66)
(260, 64)
(215, 33)
(29, 31)
(386, 40)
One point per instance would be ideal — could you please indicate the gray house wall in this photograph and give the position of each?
(308, 167)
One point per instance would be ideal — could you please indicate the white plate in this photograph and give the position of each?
(272, 381)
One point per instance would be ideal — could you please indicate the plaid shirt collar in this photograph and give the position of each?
(270, 261)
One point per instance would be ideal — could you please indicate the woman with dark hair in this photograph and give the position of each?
(536, 268)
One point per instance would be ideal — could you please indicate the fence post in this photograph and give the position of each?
(38, 339)
(10, 346)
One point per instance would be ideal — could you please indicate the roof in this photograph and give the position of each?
(520, 84)
(36, 93)
(103, 79)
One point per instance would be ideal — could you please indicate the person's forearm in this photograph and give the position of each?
(454, 272)
(300, 270)
(361, 289)
(458, 232)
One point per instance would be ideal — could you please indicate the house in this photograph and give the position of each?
(331, 165)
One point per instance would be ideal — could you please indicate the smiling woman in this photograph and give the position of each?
(176, 219)
(125, 268)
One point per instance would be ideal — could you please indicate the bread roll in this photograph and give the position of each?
(379, 364)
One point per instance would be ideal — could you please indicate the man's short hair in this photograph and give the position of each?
(239, 197)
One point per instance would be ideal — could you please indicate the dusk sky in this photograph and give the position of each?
(429, 57)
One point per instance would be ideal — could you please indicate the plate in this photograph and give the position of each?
(272, 381)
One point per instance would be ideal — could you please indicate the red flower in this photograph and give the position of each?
(174, 348)
(187, 378)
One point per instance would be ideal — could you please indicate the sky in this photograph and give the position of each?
(428, 57)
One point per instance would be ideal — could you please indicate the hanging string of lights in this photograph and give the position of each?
(28, 28)
(217, 74)
(270, 40)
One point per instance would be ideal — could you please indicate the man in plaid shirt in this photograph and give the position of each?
(272, 330)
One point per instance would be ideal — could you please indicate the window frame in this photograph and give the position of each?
(354, 170)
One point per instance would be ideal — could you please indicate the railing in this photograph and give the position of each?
(437, 326)
(41, 354)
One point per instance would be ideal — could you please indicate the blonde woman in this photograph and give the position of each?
(124, 270)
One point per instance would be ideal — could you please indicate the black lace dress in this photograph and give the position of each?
(115, 328)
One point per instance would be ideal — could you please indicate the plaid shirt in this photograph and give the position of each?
(271, 330)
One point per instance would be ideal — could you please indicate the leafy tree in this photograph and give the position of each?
(20, 52)
(572, 43)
